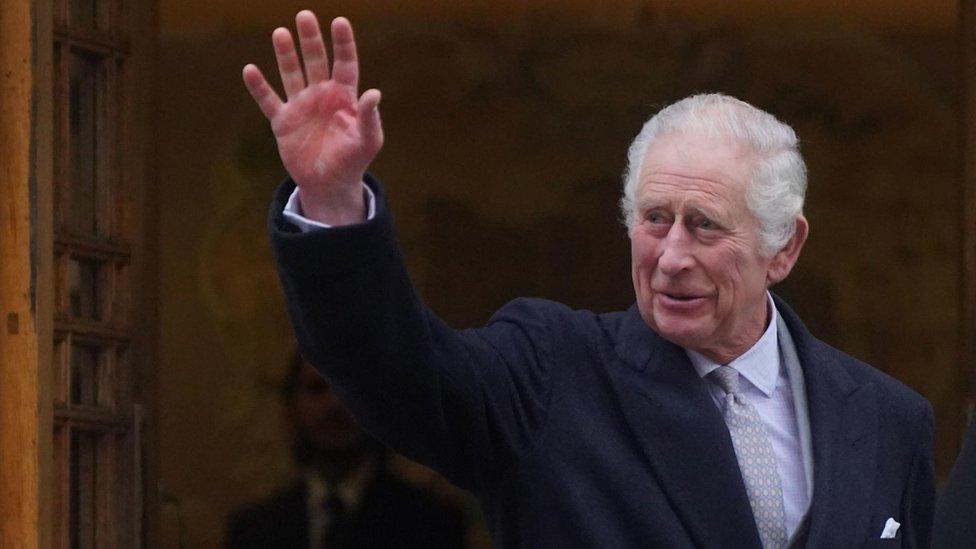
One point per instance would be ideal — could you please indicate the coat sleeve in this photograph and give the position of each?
(919, 503)
(467, 403)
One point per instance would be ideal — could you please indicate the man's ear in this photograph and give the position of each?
(782, 263)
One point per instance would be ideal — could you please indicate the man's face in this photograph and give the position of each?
(320, 418)
(698, 275)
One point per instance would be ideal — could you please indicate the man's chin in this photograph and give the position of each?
(681, 332)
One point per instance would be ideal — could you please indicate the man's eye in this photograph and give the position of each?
(705, 223)
(656, 217)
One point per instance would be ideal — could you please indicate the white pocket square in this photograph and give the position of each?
(890, 529)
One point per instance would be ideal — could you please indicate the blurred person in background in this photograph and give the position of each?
(346, 494)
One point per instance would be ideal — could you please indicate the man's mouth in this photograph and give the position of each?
(680, 300)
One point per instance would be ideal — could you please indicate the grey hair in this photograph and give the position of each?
(775, 194)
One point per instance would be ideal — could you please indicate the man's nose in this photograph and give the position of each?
(675, 251)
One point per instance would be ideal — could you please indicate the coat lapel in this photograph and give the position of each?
(684, 437)
(844, 429)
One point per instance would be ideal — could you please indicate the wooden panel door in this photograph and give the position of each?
(79, 280)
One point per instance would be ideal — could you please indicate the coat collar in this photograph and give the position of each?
(844, 428)
(683, 436)
(689, 449)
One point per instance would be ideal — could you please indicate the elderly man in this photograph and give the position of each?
(704, 416)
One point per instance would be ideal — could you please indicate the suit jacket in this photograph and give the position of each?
(391, 515)
(577, 429)
(955, 518)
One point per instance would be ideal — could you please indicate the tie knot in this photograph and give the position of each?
(727, 378)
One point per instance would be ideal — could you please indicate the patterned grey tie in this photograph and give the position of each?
(756, 460)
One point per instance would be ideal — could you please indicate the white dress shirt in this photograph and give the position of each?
(293, 211)
(767, 387)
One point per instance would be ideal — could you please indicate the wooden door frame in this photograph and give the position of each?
(27, 273)
(26, 259)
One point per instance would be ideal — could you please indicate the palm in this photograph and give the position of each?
(318, 133)
(326, 137)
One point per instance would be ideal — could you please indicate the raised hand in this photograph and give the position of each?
(326, 136)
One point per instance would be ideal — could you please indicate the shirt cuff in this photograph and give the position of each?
(293, 211)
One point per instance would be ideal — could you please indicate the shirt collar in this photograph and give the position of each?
(350, 489)
(759, 365)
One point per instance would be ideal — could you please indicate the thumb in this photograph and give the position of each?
(370, 126)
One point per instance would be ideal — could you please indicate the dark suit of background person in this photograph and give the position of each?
(955, 516)
(577, 429)
(332, 452)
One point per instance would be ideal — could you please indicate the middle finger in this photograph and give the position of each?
(313, 48)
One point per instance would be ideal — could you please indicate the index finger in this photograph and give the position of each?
(345, 70)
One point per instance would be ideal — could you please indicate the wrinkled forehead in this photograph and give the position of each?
(699, 153)
(696, 160)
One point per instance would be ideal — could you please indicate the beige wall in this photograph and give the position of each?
(506, 132)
